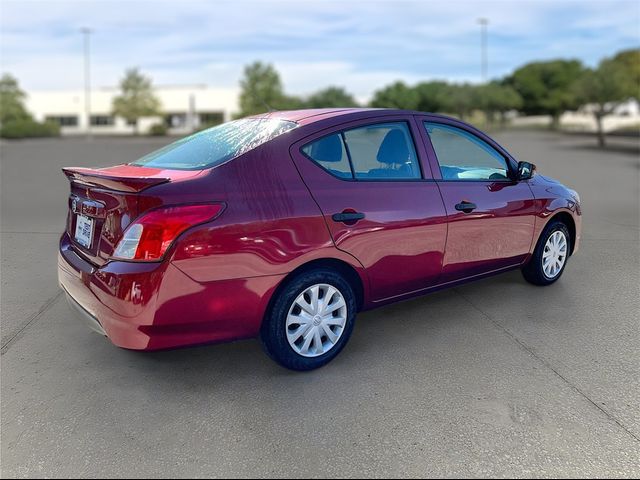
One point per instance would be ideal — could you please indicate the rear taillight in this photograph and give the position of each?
(149, 237)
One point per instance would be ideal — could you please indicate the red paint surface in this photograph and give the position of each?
(215, 282)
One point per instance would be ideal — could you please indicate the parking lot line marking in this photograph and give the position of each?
(47, 305)
(531, 352)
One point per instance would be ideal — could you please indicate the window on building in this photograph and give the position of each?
(176, 120)
(101, 120)
(63, 120)
(211, 118)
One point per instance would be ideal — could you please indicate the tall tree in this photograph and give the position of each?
(331, 97)
(432, 96)
(495, 98)
(614, 81)
(11, 100)
(137, 99)
(629, 62)
(460, 99)
(396, 95)
(546, 87)
(261, 90)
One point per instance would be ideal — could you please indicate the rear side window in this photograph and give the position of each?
(376, 152)
(330, 154)
(216, 145)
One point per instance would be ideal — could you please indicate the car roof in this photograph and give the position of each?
(308, 116)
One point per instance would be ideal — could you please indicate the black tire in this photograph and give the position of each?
(273, 332)
(533, 271)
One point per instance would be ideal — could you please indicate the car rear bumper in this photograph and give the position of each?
(89, 320)
(152, 306)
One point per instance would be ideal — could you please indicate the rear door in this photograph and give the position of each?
(491, 215)
(379, 202)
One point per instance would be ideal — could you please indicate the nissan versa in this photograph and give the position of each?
(285, 225)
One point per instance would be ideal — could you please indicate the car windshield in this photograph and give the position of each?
(216, 145)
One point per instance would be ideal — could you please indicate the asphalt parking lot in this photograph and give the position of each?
(494, 378)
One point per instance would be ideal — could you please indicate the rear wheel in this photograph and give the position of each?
(550, 256)
(310, 321)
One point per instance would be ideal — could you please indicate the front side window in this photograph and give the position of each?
(463, 156)
(382, 151)
(216, 145)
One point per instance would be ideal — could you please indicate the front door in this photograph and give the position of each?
(368, 180)
(491, 216)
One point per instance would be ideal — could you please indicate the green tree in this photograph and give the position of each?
(629, 62)
(432, 96)
(497, 99)
(11, 100)
(546, 87)
(460, 99)
(261, 90)
(331, 97)
(137, 99)
(614, 81)
(396, 95)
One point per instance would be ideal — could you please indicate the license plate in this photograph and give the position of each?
(84, 230)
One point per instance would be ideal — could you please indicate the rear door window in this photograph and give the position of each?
(383, 151)
(329, 152)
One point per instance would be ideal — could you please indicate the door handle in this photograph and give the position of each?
(346, 217)
(466, 207)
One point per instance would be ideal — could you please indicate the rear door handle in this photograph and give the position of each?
(466, 207)
(347, 217)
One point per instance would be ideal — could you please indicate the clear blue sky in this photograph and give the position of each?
(356, 44)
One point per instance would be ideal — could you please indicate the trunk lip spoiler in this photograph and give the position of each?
(120, 183)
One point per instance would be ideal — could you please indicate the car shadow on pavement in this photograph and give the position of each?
(424, 321)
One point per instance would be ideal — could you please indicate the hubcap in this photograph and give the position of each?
(555, 254)
(316, 320)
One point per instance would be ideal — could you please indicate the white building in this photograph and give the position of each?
(184, 109)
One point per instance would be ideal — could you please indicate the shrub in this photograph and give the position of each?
(28, 128)
(158, 130)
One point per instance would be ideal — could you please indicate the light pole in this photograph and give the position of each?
(484, 62)
(86, 32)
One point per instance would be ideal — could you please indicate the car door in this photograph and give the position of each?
(368, 180)
(491, 216)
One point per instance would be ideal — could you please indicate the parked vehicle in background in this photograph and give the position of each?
(285, 225)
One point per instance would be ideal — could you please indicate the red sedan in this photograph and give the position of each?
(285, 225)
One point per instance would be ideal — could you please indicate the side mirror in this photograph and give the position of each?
(525, 170)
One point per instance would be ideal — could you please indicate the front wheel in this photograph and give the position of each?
(310, 320)
(550, 256)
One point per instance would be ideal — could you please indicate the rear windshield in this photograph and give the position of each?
(216, 145)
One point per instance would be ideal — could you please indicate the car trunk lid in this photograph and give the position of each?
(103, 202)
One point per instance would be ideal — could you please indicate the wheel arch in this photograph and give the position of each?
(566, 218)
(344, 268)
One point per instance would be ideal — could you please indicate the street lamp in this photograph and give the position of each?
(484, 22)
(86, 32)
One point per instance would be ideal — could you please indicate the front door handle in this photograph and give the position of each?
(466, 207)
(347, 217)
